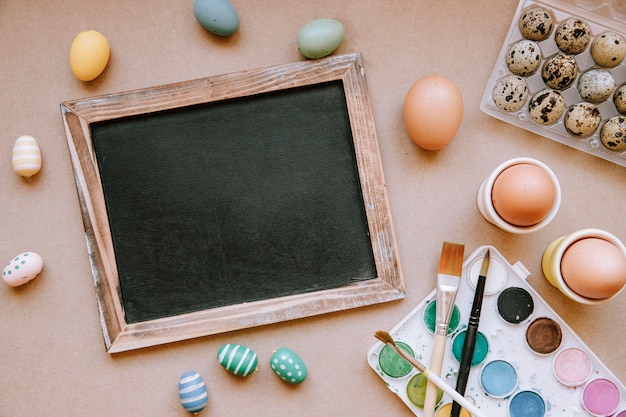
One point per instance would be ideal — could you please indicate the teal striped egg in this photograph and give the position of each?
(238, 359)
(192, 392)
(288, 366)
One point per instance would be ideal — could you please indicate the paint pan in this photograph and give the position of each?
(549, 369)
(572, 367)
(497, 276)
(430, 317)
(416, 390)
(446, 409)
(480, 351)
(498, 378)
(515, 305)
(527, 404)
(394, 365)
(601, 397)
(544, 335)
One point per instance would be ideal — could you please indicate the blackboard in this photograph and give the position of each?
(232, 201)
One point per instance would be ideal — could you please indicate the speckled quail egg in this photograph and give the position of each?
(613, 134)
(546, 106)
(523, 57)
(510, 93)
(596, 85)
(608, 49)
(619, 98)
(582, 119)
(559, 71)
(573, 36)
(536, 24)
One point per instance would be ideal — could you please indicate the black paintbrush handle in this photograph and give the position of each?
(467, 354)
(469, 344)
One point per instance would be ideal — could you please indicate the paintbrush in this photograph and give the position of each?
(429, 374)
(448, 280)
(469, 344)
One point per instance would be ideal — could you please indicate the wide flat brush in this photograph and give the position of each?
(430, 375)
(448, 280)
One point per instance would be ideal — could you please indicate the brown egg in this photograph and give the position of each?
(594, 268)
(523, 194)
(433, 109)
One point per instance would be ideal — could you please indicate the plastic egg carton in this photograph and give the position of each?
(506, 342)
(599, 21)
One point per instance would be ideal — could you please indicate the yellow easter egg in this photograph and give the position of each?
(89, 55)
(26, 156)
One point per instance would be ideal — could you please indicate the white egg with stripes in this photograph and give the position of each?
(192, 392)
(26, 156)
(237, 359)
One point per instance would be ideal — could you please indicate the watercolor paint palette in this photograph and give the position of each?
(599, 21)
(528, 362)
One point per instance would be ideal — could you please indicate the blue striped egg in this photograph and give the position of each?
(192, 392)
(238, 359)
(288, 366)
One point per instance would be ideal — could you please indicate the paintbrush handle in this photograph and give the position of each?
(436, 362)
(469, 344)
(467, 355)
(467, 404)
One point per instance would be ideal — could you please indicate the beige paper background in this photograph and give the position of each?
(53, 361)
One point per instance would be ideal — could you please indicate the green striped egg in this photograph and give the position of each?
(238, 359)
(288, 366)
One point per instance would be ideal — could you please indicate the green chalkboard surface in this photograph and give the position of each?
(232, 201)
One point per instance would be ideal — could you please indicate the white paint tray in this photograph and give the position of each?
(507, 342)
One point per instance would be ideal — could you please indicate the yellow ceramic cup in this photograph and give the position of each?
(552, 256)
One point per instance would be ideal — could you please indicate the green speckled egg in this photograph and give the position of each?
(238, 359)
(288, 366)
(320, 38)
(216, 16)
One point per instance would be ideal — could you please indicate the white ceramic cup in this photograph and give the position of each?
(551, 261)
(485, 202)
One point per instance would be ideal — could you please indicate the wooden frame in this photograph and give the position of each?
(119, 335)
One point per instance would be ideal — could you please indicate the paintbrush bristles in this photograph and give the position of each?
(451, 261)
(386, 338)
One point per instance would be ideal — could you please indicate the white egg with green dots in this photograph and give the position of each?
(288, 366)
(22, 269)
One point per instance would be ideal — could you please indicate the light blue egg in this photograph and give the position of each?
(216, 16)
(288, 366)
(192, 392)
(320, 38)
